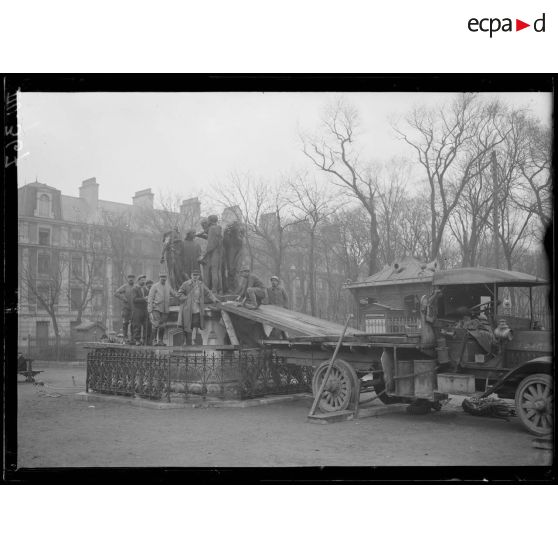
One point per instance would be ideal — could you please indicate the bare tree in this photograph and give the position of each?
(311, 207)
(534, 160)
(86, 275)
(451, 144)
(171, 212)
(46, 287)
(392, 184)
(335, 155)
(264, 209)
(414, 232)
(469, 221)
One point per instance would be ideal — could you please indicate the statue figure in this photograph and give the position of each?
(213, 257)
(172, 254)
(191, 253)
(233, 245)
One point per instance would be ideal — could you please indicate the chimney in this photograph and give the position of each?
(230, 214)
(89, 191)
(143, 198)
(192, 209)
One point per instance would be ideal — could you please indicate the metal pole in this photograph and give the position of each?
(330, 366)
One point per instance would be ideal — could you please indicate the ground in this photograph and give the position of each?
(66, 432)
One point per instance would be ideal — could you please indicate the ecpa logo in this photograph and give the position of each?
(494, 24)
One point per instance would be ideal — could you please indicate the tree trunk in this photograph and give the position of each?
(56, 334)
(312, 274)
(374, 241)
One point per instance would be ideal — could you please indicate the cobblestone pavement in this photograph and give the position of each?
(57, 430)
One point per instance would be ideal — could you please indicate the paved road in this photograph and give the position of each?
(66, 432)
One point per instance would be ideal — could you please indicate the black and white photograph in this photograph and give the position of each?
(267, 277)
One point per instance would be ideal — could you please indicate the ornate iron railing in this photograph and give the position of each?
(158, 374)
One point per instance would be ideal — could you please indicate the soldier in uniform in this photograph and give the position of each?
(250, 288)
(192, 294)
(158, 306)
(139, 313)
(124, 294)
(276, 294)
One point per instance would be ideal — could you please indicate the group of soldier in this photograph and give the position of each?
(146, 305)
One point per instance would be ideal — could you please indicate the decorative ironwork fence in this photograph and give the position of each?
(156, 374)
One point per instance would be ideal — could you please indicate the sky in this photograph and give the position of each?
(186, 143)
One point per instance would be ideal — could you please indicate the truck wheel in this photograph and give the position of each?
(340, 387)
(534, 403)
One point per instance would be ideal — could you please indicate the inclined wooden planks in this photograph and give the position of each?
(296, 322)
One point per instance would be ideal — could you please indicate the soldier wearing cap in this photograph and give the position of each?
(276, 294)
(158, 306)
(192, 295)
(139, 312)
(124, 294)
(250, 288)
(191, 252)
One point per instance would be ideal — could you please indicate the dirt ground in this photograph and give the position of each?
(66, 432)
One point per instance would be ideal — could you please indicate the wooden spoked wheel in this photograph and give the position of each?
(339, 389)
(534, 400)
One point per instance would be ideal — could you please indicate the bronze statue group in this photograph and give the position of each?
(193, 278)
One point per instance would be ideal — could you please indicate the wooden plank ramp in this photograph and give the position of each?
(295, 323)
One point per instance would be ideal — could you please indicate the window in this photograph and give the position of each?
(76, 238)
(375, 323)
(77, 267)
(98, 299)
(44, 237)
(41, 333)
(75, 299)
(43, 263)
(44, 206)
(411, 303)
(98, 269)
(44, 293)
(31, 298)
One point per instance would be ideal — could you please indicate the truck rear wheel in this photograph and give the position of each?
(340, 388)
(534, 403)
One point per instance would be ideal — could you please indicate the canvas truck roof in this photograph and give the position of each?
(486, 275)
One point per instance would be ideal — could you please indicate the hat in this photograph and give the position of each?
(162, 274)
(149, 281)
(195, 272)
(245, 268)
(130, 275)
(142, 277)
(213, 218)
(274, 277)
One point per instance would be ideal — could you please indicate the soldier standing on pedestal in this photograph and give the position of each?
(139, 313)
(124, 293)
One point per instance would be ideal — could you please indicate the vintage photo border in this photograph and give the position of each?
(223, 83)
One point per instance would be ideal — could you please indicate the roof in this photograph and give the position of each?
(296, 323)
(486, 275)
(406, 270)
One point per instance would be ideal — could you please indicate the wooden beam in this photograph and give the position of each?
(230, 328)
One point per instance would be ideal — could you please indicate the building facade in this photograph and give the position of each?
(74, 252)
